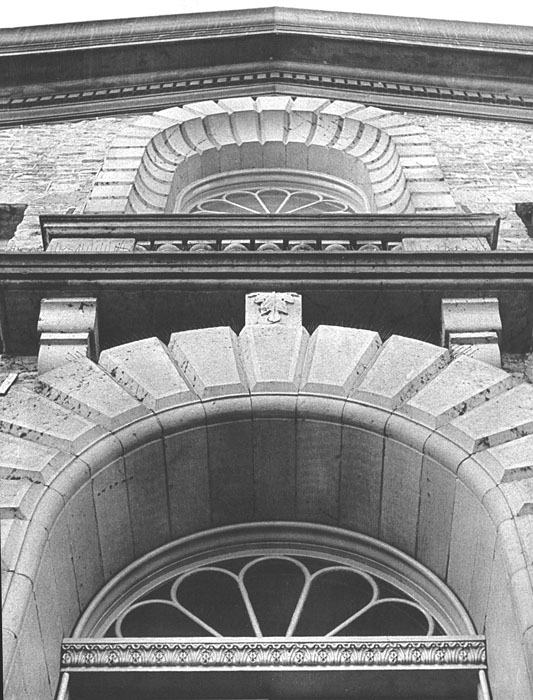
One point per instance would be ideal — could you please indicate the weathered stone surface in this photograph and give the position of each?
(402, 367)
(86, 389)
(18, 498)
(437, 493)
(273, 356)
(92, 245)
(32, 646)
(336, 358)
(399, 505)
(27, 414)
(186, 457)
(48, 612)
(274, 460)
(23, 459)
(209, 359)
(81, 521)
(147, 492)
(56, 349)
(146, 369)
(463, 385)
(470, 314)
(317, 471)
(444, 244)
(230, 472)
(512, 460)
(504, 418)
(110, 495)
(501, 629)
(360, 480)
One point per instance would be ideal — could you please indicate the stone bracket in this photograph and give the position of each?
(68, 328)
(472, 326)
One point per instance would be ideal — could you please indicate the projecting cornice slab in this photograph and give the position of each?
(143, 64)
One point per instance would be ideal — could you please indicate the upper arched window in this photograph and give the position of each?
(272, 191)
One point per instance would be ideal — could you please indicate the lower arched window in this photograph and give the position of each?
(274, 611)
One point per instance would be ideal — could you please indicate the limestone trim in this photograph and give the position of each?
(373, 150)
(249, 654)
(87, 427)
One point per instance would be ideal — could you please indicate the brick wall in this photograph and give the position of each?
(488, 164)
(52, 167)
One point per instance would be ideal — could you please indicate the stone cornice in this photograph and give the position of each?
(78, 70)
(147, 97)
(271, 654)
(494, 270)
(82, 35)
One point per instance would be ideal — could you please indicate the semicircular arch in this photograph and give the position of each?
(389, 440)
(378, 152)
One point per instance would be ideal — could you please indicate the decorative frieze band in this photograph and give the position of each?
(266, 654)
(116, 99)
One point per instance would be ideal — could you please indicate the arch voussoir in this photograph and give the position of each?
(368, 136)
(395, 441)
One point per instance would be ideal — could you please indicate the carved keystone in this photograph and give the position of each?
(68, 329)
(273, 308)
(472, 327)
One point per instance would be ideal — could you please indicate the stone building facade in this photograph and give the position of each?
(266, 414)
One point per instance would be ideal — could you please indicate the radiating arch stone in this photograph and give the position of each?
(376, 151)
(123, 467)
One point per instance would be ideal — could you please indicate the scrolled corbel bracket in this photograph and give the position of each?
(68, 328)
(472, 326)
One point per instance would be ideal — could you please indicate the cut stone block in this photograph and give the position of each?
(336, 358)
(467, 315)
(514, 459)
(146, 369)
(91, 245)
(69, 328)
(209, 360)
(13, 499)
(502, 419)
(489, 353)
(24, 459)
(402, 367)
(56, 349)
(445, 244)
(463, 385)
(318, 448)
(27, 414)
(86, 389)
(273, 356)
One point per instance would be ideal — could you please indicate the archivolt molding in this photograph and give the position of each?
(449, 443)
(374, 150)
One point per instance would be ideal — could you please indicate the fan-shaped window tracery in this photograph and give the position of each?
(275, 596)
(272, 191)
(272, 200)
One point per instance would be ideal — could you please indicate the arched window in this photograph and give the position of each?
(272, 191)
(275, 610)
